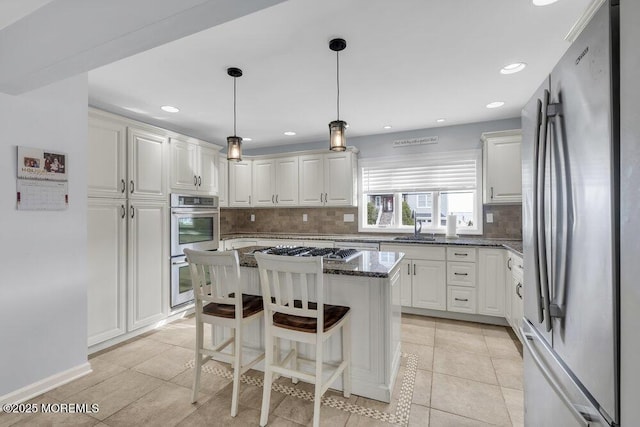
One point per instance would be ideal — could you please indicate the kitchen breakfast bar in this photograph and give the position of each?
(370, 285)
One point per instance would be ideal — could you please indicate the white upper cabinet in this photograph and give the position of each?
(502, 167)
(311, 180)
(286, 181)
(328, 179)
(125, 161)
(264, 182)
(147, 164)
(208, 181)
(223, 181)
(240, 183)
(275, 181)
(107, 155)
(194, 167)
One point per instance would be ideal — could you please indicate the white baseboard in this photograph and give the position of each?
(44, 385)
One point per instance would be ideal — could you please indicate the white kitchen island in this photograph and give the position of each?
(370, 286)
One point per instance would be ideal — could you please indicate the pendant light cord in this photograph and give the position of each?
(234, 106)
(338, 82)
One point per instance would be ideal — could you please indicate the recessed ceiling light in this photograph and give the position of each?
(441, 120)
(543, 2)
(247, 139)
(513, 68)
(495, 104)
(289, 133)
(169, 109)
(386, 127)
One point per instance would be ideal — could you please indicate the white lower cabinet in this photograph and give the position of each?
(491, 282)
(514, 292)
(107, 268)
(461, 299)
(148, 254)
(429, 285)
(423, 276)
(128, 252)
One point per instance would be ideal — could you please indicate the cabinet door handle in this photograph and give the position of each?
(195, 180)
(409, 269)
(414, 269)
(518, 287)
(461, 274)
(124, 211)
(249, 199)
(325, 197)
(124, 186)
(491, 192)
(277, 199)
(457, 254)
(133, 212)
(131, 185)
(509, 263)
(462, 299)
(199, 181)
(320, 197)
(273, 198)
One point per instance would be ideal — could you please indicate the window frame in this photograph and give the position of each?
(409, 161)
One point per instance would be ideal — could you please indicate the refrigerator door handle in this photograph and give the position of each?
(536, 252)
(541, 223)
(582, 418)
(554, 112)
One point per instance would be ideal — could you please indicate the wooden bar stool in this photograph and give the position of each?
(289, 285)
(216, 283)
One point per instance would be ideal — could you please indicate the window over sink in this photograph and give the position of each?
(397, 192)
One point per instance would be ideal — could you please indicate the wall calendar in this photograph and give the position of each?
(42, 180)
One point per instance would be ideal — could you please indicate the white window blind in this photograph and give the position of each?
(451, 171)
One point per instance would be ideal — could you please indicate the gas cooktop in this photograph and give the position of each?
(329, 254)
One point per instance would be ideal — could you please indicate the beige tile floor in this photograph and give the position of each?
(468, 374)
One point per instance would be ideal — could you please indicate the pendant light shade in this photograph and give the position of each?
(234, 143)
(337, 137)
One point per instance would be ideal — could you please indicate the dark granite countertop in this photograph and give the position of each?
(513, 245)
(369, 264)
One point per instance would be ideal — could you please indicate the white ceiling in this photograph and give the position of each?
(14, 10)
(407, 63)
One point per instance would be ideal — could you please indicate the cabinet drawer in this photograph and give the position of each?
(461, 254)
(461, 274)
(461, 299)
(516, 264)
(417, 251)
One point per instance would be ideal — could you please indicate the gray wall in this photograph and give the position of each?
(43, 280)
(460, 137)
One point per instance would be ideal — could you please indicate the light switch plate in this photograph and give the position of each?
(253, 218)
(304, 218)
(489, 218)
(349, 218)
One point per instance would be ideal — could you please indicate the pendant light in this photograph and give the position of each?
(234, 143)
(337, 138)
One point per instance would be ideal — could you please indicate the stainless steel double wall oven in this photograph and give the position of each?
(195, 224)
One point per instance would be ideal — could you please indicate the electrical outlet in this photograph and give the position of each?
(349, 218)
(253, 218)
(489, 218)
(304, 217)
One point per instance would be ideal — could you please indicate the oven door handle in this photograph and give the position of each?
(179, 263)
(191, 212)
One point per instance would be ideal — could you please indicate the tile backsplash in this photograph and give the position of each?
(288, 220)
(507, 221)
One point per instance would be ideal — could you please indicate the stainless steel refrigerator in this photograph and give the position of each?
(570, 160)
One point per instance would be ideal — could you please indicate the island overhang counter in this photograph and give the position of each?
(370, 286)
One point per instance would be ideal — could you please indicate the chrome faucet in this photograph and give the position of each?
(417, 224)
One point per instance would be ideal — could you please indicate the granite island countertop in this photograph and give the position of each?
(369, 264)
(510, 244)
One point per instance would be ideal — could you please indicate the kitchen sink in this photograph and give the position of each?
(419, 238)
